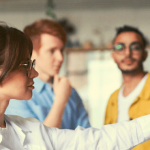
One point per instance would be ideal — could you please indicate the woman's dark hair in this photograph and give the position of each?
(15, 46)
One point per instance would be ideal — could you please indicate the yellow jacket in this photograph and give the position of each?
(140, 107)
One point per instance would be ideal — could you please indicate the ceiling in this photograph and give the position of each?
(36, 5)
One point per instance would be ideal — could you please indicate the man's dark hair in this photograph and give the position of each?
(127, 28)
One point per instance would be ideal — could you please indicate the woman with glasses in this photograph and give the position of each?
(17, 133)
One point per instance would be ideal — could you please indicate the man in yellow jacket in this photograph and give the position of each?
(132, 100)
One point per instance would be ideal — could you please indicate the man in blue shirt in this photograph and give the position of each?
(54, 101)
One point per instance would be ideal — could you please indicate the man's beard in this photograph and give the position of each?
(134, 70)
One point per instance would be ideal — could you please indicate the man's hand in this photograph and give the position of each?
(62, 89)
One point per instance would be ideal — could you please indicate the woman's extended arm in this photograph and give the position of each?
(119, 136)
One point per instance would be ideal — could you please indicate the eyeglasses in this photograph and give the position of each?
(135, 48)
(29, 65)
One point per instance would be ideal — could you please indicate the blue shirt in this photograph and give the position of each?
(41, 103)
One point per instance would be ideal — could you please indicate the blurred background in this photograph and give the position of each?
(90, 26)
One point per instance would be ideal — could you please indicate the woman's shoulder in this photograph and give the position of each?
(30, 123)
(26, 124)
(21, 120)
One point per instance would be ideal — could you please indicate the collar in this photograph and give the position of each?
(16, 123)
(24, 127)
(39, 85)
(20, 130)
(145, 93)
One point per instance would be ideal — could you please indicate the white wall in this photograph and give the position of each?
(88, 22)
(106, 20)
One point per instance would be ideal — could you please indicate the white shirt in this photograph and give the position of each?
(124, 103)
(36, 136)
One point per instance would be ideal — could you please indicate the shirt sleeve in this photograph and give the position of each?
(81, 116)
(26, 109)
(119, 136)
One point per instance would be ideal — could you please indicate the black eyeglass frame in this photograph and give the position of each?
(30, 64)
(141, 47)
